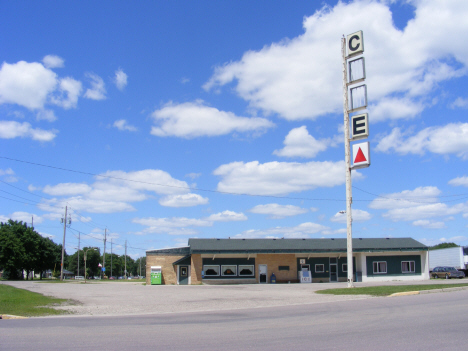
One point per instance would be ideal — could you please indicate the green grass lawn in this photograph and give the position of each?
(20, 302)
(386, 290)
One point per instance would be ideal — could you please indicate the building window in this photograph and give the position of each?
(211, 271)
(380, 267)
(319, 268)
(283, 268)
(246, 271)
(228, 270)
(407, 267)
(344, 267)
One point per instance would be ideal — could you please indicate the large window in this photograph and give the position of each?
(246, 270)
(229, 271)
(211, 271)
(319, 268)
(407, 267)
(380, 267)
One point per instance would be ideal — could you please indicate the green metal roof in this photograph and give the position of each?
(199, 246)
(176, 251)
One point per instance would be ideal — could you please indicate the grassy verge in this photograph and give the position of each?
(386, 290)
(20, 302)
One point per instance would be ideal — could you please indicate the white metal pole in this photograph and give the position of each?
(104, 255)
(349, 198)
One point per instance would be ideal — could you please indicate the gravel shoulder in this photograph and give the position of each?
(117, 298)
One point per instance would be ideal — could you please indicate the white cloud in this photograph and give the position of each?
(227, 216)
(407, 198)
(422, 212)
(13, 129)
(26, 217)
(193, 175)
(183, 200)
(297, 78)
(459, 103)
(428, 224)
(8, 175)
(115, 191)
(69, 91)
(335, 232)
(120, 79)
(279, 178)
(122, 124)
(53, 61)
(26, 84)
(67, 189)
(303, 230)
(278, 211)
(463, 181)
(299, 143)
(194, 119)
(358, 216)
(97, 90)
(449, 139)
(46, 115)
(172, 226)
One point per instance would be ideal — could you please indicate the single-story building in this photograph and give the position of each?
(241, 261)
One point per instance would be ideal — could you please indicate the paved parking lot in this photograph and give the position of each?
(126, 298)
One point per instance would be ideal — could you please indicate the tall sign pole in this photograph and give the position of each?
(351, 47)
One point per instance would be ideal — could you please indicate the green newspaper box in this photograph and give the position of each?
(155, 275)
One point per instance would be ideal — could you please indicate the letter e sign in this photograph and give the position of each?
(355, 43)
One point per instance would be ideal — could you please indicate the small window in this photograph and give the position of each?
(246, 271)
(319, 268)
(211, 271)
(283, 268)
(407, 267)
(380, 267)
(344, 267)
(228, 270)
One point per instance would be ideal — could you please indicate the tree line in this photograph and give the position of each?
(22, 249)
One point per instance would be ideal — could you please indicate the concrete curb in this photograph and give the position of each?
(433, 291)
(405, 293)
(10, 316)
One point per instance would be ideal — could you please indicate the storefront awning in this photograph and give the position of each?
(185, 261)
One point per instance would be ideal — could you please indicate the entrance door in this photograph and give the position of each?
(333, 272)
(183, 275)
(262, 273)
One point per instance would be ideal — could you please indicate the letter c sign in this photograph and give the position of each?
(355, 43)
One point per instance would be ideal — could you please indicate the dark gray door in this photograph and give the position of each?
(333, 273)
(183, 275)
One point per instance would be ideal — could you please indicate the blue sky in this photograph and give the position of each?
(162, 121)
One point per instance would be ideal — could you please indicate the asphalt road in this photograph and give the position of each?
(419, 322)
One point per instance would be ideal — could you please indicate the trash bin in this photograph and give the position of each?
(273, 278)
(155, 275)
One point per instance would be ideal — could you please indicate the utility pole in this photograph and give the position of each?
(140, 267)
(111, 257)
(104, 255)
(64, 220)
(125, 259)
(78, 273)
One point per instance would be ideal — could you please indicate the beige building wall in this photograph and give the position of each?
(196, 269)
(273, 261)
(169, 272)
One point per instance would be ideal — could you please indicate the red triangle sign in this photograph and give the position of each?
(360, 157)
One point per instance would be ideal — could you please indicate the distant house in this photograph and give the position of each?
(235, 261)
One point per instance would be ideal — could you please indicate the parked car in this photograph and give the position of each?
(447, 273)
(112, 278)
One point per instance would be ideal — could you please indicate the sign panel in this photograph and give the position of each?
(361, 155)
(359, 127)
(355, 43)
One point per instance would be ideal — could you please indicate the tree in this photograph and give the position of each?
(443, 246)
(11, 249)
(143, 266)
(47, 255)
(93, 258)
